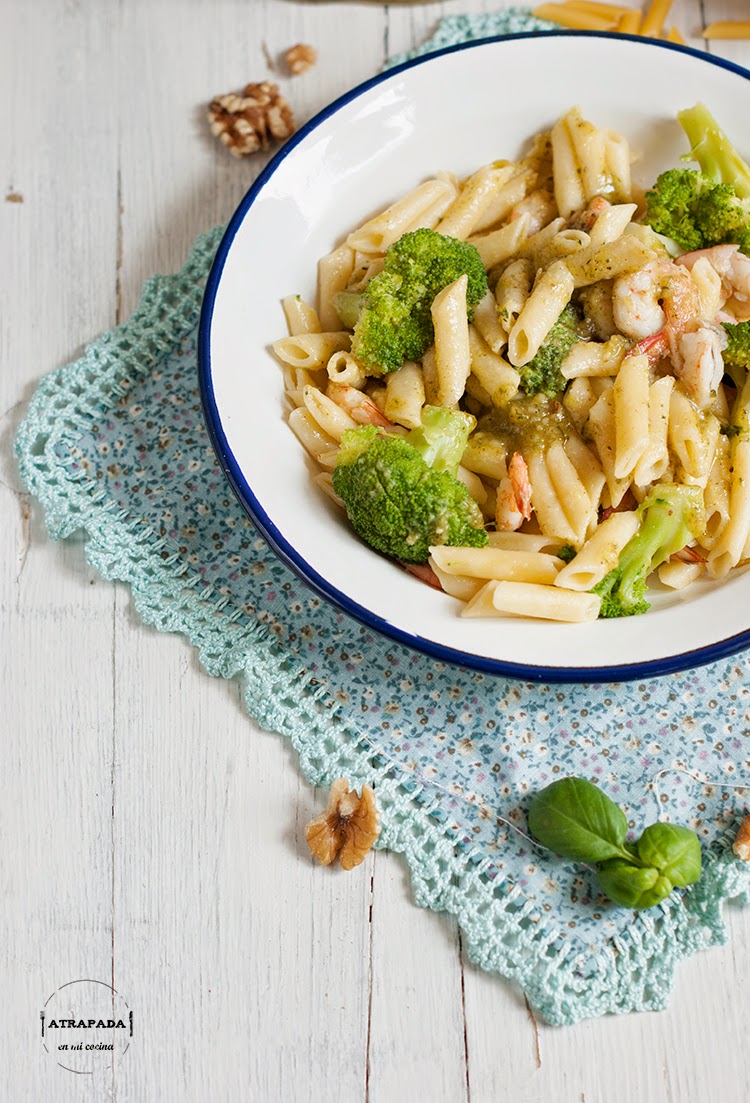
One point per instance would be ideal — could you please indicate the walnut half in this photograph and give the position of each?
(348, 827)
(741, 845)
(245, 122)
(300, 58)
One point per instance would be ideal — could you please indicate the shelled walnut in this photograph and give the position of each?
(741, 846)
(300, 58)
(348, 827)
(246, 122)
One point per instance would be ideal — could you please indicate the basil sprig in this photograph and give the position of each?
(577, 820)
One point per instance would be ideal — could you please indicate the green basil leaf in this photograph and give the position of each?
(673, 850)
(575, 819)
(631, 886)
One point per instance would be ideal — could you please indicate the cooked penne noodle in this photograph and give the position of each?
(617, 164)
(631, 409)
(600, 554)
(452, 355)
(523, 599)
(523, 541)
(654, 462)
(455, 584)
(329, 416)
(611, 223)
(716, 493)
(500, 245)
(405, 396)
(300, 316)
(596, 358)
(549, 511)
(569, 193)
(729, 548)
(473, 200)
(512, 291)
(334, 272)
(497, 563)
(605, 262)
(343, 368)
(504, 200)
(550, 294)
(692, 435)
(678, 575)
(498, 379)
(588, 469)
(309, 432)
(487, 323)
(630, 22)
(601, 428)
(708, 281)
(310, 350)
(375, 235)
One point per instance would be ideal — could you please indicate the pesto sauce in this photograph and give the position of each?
(528, 424)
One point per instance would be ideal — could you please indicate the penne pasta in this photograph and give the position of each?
(497, 563)
(522, 599)
(452, 354)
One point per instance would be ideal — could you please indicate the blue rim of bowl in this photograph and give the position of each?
(558, 674)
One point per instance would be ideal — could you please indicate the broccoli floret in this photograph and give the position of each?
(542, 374)
(696, 212)
(671, 515)
(347, 305)
(442, 436)
(394, 323)
(397, 503)
(711, 206)
(736, 355)
(714, 153)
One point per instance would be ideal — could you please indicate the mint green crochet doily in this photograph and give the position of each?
(115, 445)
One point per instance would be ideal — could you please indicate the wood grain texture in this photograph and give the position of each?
(150, 832)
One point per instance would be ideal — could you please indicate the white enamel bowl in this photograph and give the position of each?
(455, 110)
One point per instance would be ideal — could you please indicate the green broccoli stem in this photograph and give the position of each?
(669, 518)
(713, 151)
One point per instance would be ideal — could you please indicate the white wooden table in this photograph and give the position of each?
(151, 835)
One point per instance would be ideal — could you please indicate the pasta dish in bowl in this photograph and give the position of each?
(512, 372)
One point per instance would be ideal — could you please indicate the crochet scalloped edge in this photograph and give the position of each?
(503, 931)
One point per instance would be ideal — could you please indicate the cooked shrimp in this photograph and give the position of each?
(513, 496)
(656, 297)
(358, 406)
(734, 269)
(699, 365)
(587, 216)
